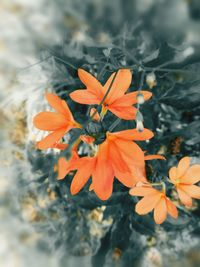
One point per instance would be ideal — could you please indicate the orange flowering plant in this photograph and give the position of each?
(112, 154)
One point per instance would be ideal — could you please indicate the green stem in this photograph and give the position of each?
(114, 124)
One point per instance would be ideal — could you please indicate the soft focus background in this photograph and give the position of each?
(42, 43)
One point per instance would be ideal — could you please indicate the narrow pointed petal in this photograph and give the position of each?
(116, 158)
(133, 156)
(120, 85)
(192, 190)
(141, 191)
(173, 174)
(128, 156)
(103, 178)
(192, 175)
(160, 211)
(50, 140)
(84, 97)
(147, 204)
(49, 121)
(91, 83)
(59, 105)
(63, 168)
(103, 175)
(130, 152)
(126, 113)
(184, 197)
(138, 174)
(60, 146)
(82, 175)
(134, 134)
(183, 166)
(131, 98)
(171, 209)
(126, 178)
(150, 157)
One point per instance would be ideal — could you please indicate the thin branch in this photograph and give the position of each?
(141, 81)
(65, 62)
(114, 124)
(34, 64)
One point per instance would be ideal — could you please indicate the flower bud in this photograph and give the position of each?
(139, 122)
(140, 98)
(139, 126)
(151, 80)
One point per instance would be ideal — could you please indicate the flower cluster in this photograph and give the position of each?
(113, 154)
(183, 177)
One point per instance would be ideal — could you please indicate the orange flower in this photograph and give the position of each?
(153, 199)
(118, 156)
(184, 177)
(65, 166)
(59, 122)
(117, 101)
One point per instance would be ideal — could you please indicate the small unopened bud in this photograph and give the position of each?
(151, 80)
(140, 98)
(107, 51)
(139, 122)
(139, 126)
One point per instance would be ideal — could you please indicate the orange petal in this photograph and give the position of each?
(141, 191)
(116, 158)
(173, 174)
(130, 151)
(150, 157)
(184, 197)
(103, 175)
(192, 175)
(50, 140)
(84, 97)
(126, 113)
(160, 211)
(133, 157)
(133, 134)
(147, 204)
(63, 165)
(120, 85)
(82, 175)
(126, 178)
(138, 174)
(92, 84)
(192, 190)
(171, 209)
(59, 105)
(60, 146)
(103, 178)
(87, 139)
(50, 121)
(131, 98)
(183, 166)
